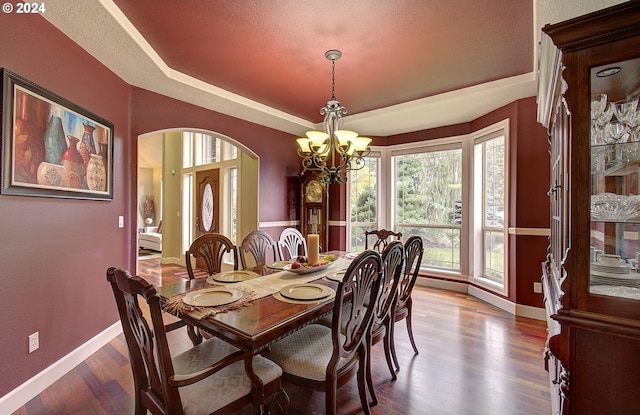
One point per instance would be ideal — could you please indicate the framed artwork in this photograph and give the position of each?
(52, 147)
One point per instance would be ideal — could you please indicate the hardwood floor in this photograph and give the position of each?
(475, 359)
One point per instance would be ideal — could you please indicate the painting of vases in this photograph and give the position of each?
(54, 148)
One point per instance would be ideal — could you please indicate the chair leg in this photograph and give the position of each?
(362, 379)
(387, 340)
(372, 392)
(392, 347)
(331, 397)
(409, 328)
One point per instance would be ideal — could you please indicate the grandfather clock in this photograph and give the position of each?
(314, 210)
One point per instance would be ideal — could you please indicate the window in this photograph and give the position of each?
(363, 202)
(427, 201)
(490, 196)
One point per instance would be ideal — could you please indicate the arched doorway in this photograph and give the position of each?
(169, 162)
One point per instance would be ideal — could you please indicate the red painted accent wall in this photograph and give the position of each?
(55, 252)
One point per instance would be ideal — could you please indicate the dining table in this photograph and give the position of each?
(261, 310)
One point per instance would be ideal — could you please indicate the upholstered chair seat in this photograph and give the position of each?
(307, 352)
(222, 388)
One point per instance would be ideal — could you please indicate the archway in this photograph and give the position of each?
(167, 163)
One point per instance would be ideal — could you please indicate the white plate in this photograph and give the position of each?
(306, 270)
(232, 276)
(211, 297)
(352, 255)
(279, 265)
(336, 276)
(306, 291)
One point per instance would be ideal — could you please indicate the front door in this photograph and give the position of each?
(207, 202)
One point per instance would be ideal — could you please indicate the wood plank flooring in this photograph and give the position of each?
(475, 359)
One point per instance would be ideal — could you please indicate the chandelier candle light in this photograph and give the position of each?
(334, 152)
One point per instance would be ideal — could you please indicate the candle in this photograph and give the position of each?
(313, 244)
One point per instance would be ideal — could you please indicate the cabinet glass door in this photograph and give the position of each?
(615, 181)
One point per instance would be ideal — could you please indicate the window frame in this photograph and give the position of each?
(469, 245)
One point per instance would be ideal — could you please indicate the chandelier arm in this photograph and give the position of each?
(331, 160)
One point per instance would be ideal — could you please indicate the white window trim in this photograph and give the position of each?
(476, 276)
(466, 142)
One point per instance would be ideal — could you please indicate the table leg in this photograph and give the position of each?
(257, 387)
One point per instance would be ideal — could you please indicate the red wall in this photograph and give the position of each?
(55, 252)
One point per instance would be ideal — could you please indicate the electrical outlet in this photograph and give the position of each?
(34, 342)
(537, 287)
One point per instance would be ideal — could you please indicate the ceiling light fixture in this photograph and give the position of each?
(608, 72)
(333, 153)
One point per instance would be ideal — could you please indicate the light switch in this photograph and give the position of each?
(120, 221)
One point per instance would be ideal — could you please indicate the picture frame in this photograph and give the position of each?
(52, 147)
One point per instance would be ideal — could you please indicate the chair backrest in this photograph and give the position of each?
(413, 260)
(382, 239)
(392, 261)
(210, 248)
(361, 285)
(148, 348)
(258, 244)
(289, 244)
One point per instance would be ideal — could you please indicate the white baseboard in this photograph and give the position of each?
(537, 313)
(34, 386)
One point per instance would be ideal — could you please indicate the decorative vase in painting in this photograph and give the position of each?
(28, 143)
(53, 175)
(87, 146)
(96, 173)
(54, 141)
(73, 164)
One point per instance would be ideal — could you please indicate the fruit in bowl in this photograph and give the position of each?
(301, 261)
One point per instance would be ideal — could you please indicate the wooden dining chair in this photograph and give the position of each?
(256, 248)
(323, 358)
(382, 327)
(291, 244)
(413, 250)
(208, 250)
(382, 239)
(209, 378)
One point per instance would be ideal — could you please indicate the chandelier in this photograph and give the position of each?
(333, 153)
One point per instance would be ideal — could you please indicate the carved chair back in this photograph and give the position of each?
(382, 239)
(209, 250)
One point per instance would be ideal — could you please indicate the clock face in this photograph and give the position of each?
(314, 192)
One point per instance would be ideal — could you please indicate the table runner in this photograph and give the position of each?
(254, 288)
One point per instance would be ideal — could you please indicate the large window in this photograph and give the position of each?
(363, 202)
(452, 192)
(490, 196)
(427, 201)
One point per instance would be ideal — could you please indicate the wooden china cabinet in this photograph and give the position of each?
(588, 94)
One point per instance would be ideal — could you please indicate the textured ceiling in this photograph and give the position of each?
(272, 51)
(407, 65)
